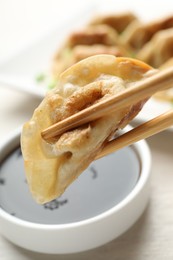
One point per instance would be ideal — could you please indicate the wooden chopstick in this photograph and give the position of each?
(141, 90)
(143, 131)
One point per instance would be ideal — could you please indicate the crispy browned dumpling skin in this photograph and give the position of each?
(92, 40)
(81, 52)
(166, 95)
(98, 34)
(137, 33)
(118, 34)
(51, 167)
(117, 21)
(159, 50)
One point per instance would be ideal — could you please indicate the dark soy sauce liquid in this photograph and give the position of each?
(103, 185)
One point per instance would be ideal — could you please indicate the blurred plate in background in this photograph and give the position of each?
(22, 70)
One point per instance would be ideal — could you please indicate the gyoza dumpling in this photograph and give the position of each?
(96, 34)
(80, 52)
(117, 21)
(166, 95)
(137, 34)
(89, 36)
(52, 166)
(159, 49)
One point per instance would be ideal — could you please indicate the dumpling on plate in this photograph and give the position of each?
(117, 21)
(91, 40)
(51, 166)
(80, 52)
(97, 34)
(166, 95)
(137, 33)
(159, 50)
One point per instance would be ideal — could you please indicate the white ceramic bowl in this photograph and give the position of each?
(103, 203)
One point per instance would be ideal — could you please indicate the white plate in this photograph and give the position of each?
(20, 71)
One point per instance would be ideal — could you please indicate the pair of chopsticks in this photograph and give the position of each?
(140, 91)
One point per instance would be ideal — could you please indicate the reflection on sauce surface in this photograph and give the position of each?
(104, 184)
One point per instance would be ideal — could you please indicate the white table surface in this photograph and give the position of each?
(152, 236)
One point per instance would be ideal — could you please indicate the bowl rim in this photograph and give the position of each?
(143, 154)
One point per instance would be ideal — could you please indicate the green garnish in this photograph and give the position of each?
(40, 77)
(52, 84)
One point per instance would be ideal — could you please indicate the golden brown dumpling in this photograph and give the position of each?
(137, 33)
(159, 49)
(80, 52)
(98, 34)
(166, 95)
(52, 166)
(117, 21)
(92, 40)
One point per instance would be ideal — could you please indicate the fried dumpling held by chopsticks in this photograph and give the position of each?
(52, 166)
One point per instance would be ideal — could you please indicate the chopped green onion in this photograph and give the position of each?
(52, 84)
(40, 77)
